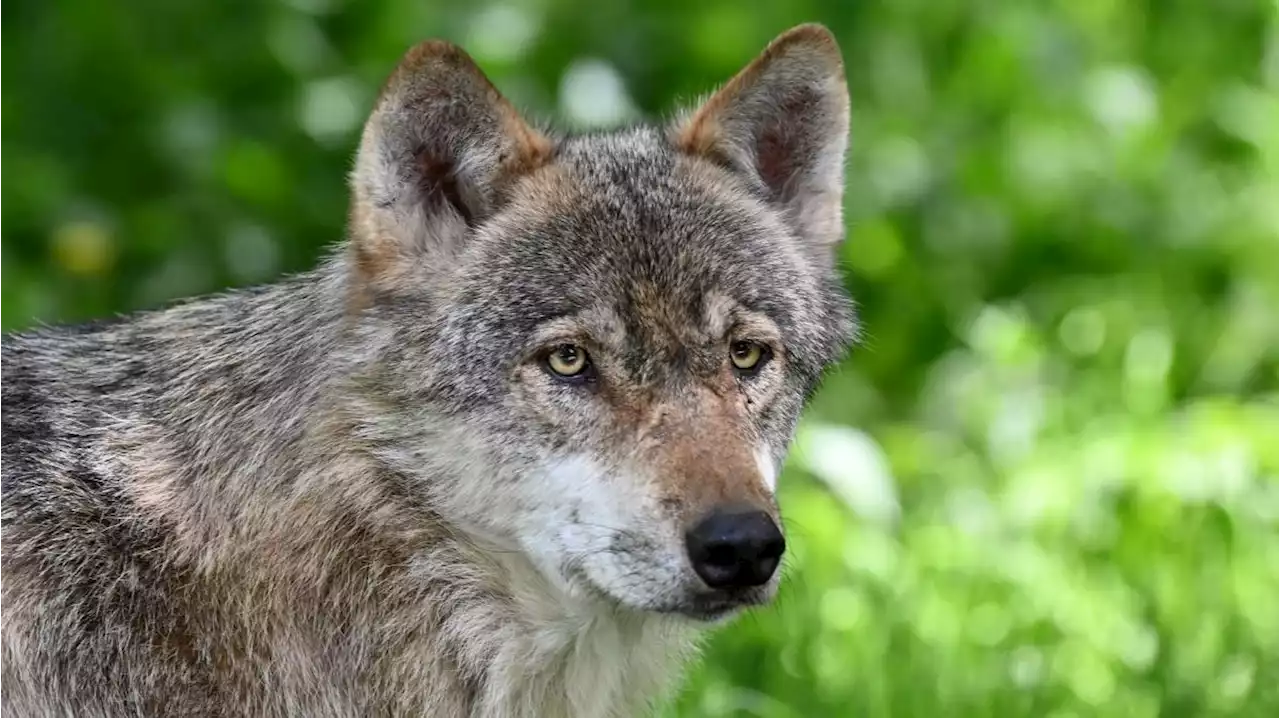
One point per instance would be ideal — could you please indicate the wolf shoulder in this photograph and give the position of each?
(59, 389)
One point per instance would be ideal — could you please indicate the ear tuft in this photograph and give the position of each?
(783, 123)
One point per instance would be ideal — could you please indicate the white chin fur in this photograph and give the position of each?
(585, 517)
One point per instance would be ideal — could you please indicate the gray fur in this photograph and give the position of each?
(356, 491)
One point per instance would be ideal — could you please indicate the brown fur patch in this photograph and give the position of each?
(701, 451)
(373, 254)
(711, 464)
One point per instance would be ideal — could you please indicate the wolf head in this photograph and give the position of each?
(593, 350)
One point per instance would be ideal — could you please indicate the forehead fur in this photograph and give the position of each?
(626, 223)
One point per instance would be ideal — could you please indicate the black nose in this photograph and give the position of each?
(735, 548)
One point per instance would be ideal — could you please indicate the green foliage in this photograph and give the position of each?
(1062, 496)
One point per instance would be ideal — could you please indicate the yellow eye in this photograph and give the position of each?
(568, 360)
(746, 355)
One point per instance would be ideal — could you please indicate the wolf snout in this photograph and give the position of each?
(735, 547)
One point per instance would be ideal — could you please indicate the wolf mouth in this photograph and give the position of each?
(717, 605)
(708, 605)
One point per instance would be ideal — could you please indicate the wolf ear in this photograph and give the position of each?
(783, 122)
(437, 155)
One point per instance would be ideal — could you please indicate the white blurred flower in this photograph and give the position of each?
(853, 465)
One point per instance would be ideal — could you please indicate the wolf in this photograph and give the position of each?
(507, 451)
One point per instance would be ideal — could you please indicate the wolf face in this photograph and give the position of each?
(593, 351)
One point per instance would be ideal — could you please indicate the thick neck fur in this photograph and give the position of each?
(270, 534)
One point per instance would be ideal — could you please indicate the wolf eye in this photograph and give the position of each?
(748, 356)
(568, 360)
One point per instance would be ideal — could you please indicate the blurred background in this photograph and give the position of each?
(1046, 485)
